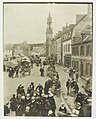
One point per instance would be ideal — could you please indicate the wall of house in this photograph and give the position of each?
(66, 49)
(58, 50)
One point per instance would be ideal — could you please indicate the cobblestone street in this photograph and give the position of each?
(10, 86)
(47, 59)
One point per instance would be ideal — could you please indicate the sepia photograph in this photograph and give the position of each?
(47, 59)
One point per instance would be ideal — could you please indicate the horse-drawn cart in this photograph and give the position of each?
(25, 67)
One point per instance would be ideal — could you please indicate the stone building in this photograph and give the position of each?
(61, 46)
(38, 48)
(8, 50)
(53, 49)
(49, 36)
(17, 50)
(82, 45)
(57, 47)
(21, 48)
(66, 45)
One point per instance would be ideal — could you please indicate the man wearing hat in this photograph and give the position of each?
(28, 99)
(39, 88)
(68, 85)
(32, 106)
(52, 102)
(62, 110)
(13, 103)
(27, 111)
(50, 113)
(48, 84)
(6, 109)
(79, 110)
(45, 107)
(42, 71)
(32, 85)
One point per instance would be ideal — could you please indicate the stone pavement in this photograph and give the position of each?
(68, 100)
(35, 76)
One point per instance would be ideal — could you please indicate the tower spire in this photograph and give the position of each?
(49, 35)
(49, 22)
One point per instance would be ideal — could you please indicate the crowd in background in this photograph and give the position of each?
(35, 101)
(39, 100)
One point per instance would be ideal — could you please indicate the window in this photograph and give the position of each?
(72, 50)
(87, 69)
(75, 65)
(88, 50)
(66, 47)
(69, 47)
(82, 50)
(77, 50)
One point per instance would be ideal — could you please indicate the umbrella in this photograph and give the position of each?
(11, 64)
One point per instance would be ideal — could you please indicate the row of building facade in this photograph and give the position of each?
(13, 50)
(72, 46)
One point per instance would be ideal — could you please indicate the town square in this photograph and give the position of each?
(47, 59)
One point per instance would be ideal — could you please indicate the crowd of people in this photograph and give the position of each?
(39, 100)
(22, 68)
(80, 95)
(35, 101)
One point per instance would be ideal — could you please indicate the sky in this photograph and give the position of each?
(28, 22)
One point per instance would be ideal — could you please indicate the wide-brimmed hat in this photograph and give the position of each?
(32, 82)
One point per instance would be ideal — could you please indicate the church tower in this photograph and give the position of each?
(49, 35)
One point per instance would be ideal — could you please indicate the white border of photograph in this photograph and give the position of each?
(94, 59)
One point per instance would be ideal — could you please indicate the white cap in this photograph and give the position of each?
(27, 108)
(32, 98)
(62, 103)
(19, 95)
(49, 91)
(49, 78)
(34, 94)
(23, 97)
(50, 112)
(28, 95)
(50, 95)
(78, 103)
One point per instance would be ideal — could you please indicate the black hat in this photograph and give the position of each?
(22, 86)
(13, 95)
(32, 82)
